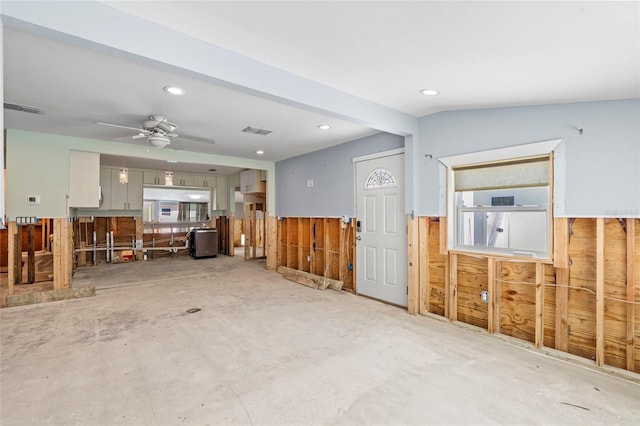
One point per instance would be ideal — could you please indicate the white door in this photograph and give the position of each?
(381, 238)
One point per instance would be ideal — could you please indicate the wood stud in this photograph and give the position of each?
(600, 358)
(631, 284)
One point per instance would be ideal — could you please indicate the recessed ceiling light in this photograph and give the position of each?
(172, 161)
(259, 152)
(174, 90)
(429, 92)
(324, 127)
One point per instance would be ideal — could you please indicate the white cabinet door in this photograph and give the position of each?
(183, 179)
(105, 188)
(153, 178)
(251, 183)
(134, 190)
(84, 179)
(221, 198)
(126, 196)
(118, 191)
(206, 181)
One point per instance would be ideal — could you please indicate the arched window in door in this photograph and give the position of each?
(380, 178)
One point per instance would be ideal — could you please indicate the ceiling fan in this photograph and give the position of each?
(157, 129)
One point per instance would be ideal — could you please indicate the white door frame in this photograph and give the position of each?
(358, 159)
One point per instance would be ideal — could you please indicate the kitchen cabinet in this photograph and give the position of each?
(105, 188)
(84, 179)
(205, 181)
(184, 179)
(221, 199)
(251, 182)
(126, 196)
(153, 178)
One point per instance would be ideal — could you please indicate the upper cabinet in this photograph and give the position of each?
(152, 177)
(127, 196)
(184, 179)
(221, 201)
(251, 182)
(119, 196)
(84, 179)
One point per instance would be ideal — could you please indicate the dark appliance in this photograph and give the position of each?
(203, 243)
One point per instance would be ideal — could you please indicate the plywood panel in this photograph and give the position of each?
(437, 270)
(472, 280)
(581, 308)
(615, 270)
(636, 275)
(518, 300)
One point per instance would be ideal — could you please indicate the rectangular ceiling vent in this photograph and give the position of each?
(256, 131)
(23, 108)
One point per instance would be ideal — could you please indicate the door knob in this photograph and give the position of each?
(358, 238)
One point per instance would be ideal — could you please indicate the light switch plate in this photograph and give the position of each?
(310, 183)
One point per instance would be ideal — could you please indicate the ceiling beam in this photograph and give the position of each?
(101, 27)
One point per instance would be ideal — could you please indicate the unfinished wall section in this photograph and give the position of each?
(322, 247)
(589, 308)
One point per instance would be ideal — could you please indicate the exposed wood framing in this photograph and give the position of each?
(443, 235)
(493, 325)
(453, 285)
(600, 359)
(271, 242)
(14, 253)
(323, 247)
(139, 236)
(589, 312)
(539, 336)
(562, 309)
(413, 264)
(561, 242)
(62, 253)
(31, 257)
(423, 261)
(631, 250)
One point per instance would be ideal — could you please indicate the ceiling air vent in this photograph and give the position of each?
(23, 108)
(256, 131)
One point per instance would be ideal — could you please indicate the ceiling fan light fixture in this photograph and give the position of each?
(158, 141)
(429, 92)
(174, 90)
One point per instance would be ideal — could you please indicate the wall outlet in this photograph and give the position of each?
(310, 183)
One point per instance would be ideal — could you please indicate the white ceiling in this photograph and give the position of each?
(477, 54)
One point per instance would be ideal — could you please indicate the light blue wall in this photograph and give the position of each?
(331, 170)
(602, 165)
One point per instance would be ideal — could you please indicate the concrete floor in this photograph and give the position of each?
(265, 351)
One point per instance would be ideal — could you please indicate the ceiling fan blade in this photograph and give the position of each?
(138, 136)
(122, 127)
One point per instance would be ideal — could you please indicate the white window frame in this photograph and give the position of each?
(531, 150)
